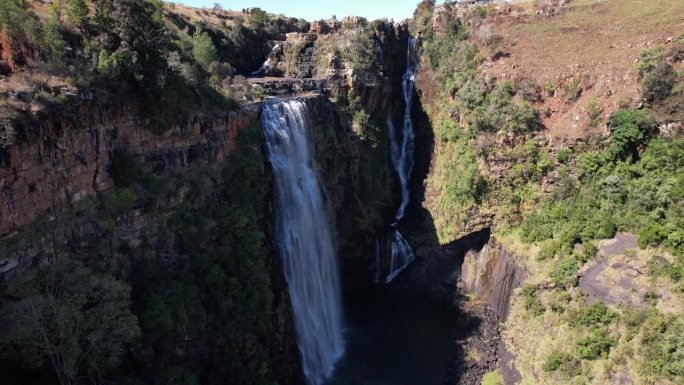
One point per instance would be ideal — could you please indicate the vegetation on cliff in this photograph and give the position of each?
(189, 299)
(167, 58)
(552, 200)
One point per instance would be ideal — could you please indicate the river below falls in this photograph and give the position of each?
(395, 339)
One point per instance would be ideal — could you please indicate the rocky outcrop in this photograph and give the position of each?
(65, 157)
(491, 275)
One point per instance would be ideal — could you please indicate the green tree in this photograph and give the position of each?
(76, 319)
(54, 45)
(203, 49)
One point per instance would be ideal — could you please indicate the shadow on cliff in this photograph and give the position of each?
(434, 276)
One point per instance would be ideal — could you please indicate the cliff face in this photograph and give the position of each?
(65, 157)
(64, 200)
(491, 275)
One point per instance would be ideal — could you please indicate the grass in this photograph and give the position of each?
(492, 378)
(587, 30)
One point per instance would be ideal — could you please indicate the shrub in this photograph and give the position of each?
(77, 10)
(565, 273)
(660, 267)
(119, 201)
(69, 316)
(651, 234)
(365, 128)
(594, 315)
(594, 111)
(531, 301)
(572, 91)
(549, 89)
(590, 250)
(564, 155)
(555, 361)
(203, 49)
(662, 347)
(492, 378)
(596, 345)
(631, 130)
(657, 84)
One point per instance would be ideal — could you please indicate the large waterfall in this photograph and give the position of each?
(402, 155)
(304, 239)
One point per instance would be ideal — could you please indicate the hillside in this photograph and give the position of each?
(559, 125)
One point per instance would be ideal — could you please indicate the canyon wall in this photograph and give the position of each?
(491, 275)
(64, 157)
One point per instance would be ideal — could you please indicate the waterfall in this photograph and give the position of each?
(403, 158)
(401, 255)
(304, 239)
(265, 64)
(402, 146)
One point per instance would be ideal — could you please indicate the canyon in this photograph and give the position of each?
(342, 202)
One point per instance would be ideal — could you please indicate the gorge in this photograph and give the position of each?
(466, 197)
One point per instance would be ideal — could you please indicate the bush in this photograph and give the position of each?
(119, 201)
(564, 155)
(565, 273)
(662, 347)
(594, 111)
(631, 130)
(531, 301)
(555, 361)
(68, 316)
(203, 49)
(77, 10)
(365, 128)
(589, 252)
(657, 84)
(492, 378)
(594, 315)
(572, 91)
(651, 234)
(594, 346)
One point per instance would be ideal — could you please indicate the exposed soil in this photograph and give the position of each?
(576, 44)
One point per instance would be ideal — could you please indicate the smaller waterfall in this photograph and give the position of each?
(402, 145)
(401, 255)
(265, 64)
(403, 158)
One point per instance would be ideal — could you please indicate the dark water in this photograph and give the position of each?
(395, 339)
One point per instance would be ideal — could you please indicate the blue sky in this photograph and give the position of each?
(320, 9)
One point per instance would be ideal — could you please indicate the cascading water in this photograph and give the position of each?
(266, 63)
(304, 239)
(402, 146)
(402, 155)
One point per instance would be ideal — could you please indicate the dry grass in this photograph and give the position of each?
(595, 43)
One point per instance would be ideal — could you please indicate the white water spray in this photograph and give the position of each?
(304, 239)
(266, 63)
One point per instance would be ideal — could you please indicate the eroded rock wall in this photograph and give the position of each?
(491, 275)
(65, 157)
